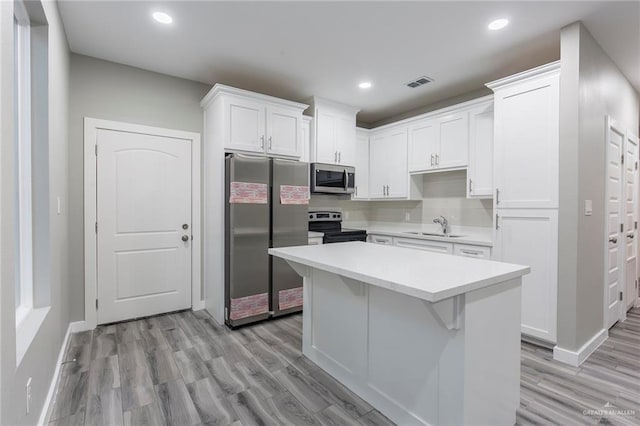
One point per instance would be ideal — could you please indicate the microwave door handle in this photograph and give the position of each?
(346, 180)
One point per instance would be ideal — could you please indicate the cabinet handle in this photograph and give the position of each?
(497, 217)
(437, 160)
(339, 157)
(497, 196)
(356, 193)
(270, 143)
(262, 141)
(431, 160)
(470, 186)
(335, 157)
(472, 253)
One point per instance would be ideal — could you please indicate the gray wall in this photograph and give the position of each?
(110, 91)
(591, 88)
(40, 358)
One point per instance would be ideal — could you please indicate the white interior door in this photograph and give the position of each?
(143, 220)
(614, 278)
(631, 219)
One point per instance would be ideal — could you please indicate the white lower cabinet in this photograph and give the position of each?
(530, 237)
(468, 250)
(380, 239)
(426, 245)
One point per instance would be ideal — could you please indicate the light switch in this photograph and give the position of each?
(588, 207)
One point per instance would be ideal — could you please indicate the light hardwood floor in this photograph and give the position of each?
(185, 369)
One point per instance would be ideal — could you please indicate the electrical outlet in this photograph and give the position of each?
(407, 217)
(28, 395)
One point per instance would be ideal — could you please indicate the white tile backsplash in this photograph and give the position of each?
(444, 193)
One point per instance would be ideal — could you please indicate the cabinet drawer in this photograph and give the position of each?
(434, 246)
(467, 250)
(381, 239)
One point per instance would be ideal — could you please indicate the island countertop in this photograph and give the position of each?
(424, 275)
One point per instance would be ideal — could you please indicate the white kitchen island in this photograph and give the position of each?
(425, 338)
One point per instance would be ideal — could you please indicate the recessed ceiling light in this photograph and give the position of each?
(162, 17)
(498, 24)
(365, 85)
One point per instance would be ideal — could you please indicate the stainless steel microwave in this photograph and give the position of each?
(332, 179)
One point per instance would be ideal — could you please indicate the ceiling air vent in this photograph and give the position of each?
(420, 81)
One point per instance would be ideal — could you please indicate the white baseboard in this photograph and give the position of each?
(79, 326)
(576, 358)
(198, 306)
(72, 328)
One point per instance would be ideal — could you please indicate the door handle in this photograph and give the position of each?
(613, 240)
(630, 235)
(185, 238)
(185, 226)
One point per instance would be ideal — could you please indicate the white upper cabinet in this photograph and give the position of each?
(246, 128)
(388, 170)
(480, 170)
(362, 165)
(257, 123)
(527, 141)
(284, 132)
(424, 142)
(306, 138)
(334, 133)
(440, 142)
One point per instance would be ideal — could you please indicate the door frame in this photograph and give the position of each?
(91, 126)
(612, 124)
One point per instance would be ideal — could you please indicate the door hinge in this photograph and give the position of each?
(636, 283)
(622, 159)
(635, 225)
(96, 227)
(622, 227)
(96, 304)
(621, 296)
(96, 145)
(636, 165)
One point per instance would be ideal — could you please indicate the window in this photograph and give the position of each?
(23, 160)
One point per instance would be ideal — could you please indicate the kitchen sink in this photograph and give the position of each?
(433, 234)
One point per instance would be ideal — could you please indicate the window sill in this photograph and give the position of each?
(27, 328)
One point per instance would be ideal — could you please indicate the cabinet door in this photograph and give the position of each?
(378, 165)
(396, 164)
(480, 170)
(346, 140)
(426, 245)
(325, 138)
(454, 141)
(423, 145)
(246, 128)
(530, 237)
(284, 132)
(362, 166)
(306, 139)
(527, 144)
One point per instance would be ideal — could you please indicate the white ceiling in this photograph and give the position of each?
(299, 49)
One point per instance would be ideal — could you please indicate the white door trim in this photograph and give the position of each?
(91, 126)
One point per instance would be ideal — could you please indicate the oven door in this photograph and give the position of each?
(332, 179)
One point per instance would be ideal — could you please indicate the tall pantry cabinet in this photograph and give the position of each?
(526, 161)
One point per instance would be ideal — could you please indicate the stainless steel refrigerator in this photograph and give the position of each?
(260, 214)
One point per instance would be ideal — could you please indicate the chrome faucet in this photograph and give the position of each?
(444, 223)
